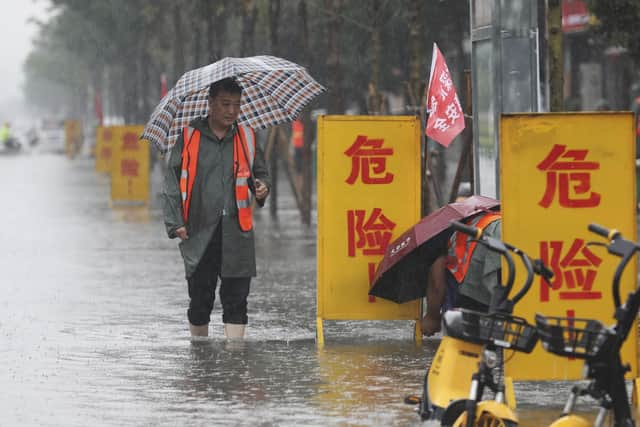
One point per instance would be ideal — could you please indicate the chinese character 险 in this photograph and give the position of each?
(371, 235)
(441, 124)
(129, 167)
(452, 112)
(574, 273)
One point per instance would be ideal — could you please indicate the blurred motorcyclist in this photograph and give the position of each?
(5, 133)
(7, 140)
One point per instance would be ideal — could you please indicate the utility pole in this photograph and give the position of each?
(554, 58)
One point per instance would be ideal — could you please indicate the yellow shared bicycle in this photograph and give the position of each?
(598, 345)
(469, 360)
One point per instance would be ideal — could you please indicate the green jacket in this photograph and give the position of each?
(213, 203)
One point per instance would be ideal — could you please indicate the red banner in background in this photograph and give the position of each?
(163, 85)
(446, 119)
(97, 104)
(575, 16)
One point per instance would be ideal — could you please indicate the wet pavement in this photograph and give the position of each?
(93, 323)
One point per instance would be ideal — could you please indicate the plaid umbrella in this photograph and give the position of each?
(274, 91)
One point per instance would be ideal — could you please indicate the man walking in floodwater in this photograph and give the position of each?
(215, 169)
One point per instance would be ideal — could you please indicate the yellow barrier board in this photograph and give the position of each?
(558, 173)
(368, 194)
(129, 166)
(104, 147)
(72, 137)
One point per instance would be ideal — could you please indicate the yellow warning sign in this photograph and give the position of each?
(104, 146)
(559, 173)
(368, 194)
(129, 165)
(72, 137)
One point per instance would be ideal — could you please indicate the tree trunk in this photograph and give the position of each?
(178, 43)
(414, 90)
(307, 161)
(274, 15)
(556, 78)
(250, 13)
(211, 51)
(374, 101)
(221, 29)
(197, 44)
(145, 67)
(334, 69)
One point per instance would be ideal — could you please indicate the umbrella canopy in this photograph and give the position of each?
(274, 91)
(402, 274)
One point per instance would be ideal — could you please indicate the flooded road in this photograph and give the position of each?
(93, 327)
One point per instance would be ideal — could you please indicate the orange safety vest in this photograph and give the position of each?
(297, 134)
(464, 249)
(244, 152)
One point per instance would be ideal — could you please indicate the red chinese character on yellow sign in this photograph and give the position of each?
(573, 274)
(107, 135)
(565, 167)
(130, 141)
(129, 168)
(369, 161)
(105, 152)
(371, 235)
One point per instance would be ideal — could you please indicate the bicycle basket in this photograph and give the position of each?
(573, 337)
(499, 329)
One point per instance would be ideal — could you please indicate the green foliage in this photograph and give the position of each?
(122, 46)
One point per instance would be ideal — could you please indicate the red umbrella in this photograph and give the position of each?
(402, 274)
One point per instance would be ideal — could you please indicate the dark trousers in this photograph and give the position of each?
(202, 289)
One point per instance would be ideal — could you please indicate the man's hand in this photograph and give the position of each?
(430, 324)
(261, 189)
(182, 233)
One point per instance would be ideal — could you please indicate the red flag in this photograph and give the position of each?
(163, 85)
(97, 105)
(446, 119)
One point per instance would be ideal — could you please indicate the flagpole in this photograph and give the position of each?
(425, 161)
(426, 196)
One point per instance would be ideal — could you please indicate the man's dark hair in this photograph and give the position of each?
(229, 85)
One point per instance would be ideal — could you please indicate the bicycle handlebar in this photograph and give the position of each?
(542, 270)
(604, 232)
(619, 247)
(474, 232)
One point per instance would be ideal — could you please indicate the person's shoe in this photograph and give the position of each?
(234, 331)
(199, 331)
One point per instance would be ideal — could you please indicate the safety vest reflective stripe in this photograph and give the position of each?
(464, 249)
(191, 146)
(244, 145)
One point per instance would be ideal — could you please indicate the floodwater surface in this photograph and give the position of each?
(93, 327)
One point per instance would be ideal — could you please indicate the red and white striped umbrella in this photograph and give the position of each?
(274, 91)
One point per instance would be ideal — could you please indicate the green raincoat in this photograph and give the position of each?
(213, 203)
